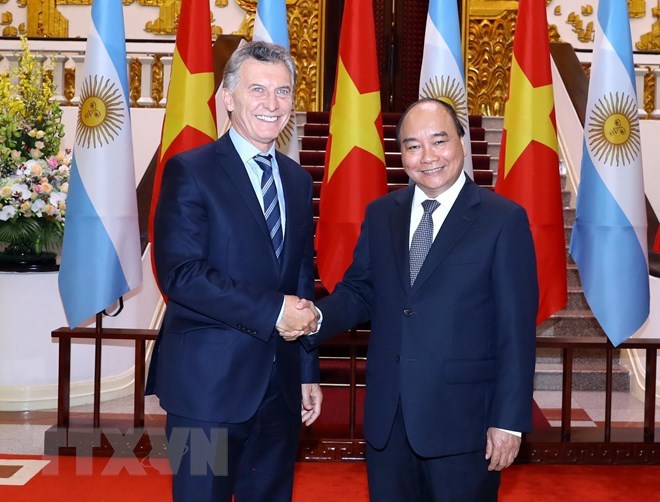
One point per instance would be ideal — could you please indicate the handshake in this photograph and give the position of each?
(300, 318)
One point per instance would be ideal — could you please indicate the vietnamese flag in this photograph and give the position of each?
(528, 169)
(190, 112)
(354, 160)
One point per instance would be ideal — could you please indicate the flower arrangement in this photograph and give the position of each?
(34, 174)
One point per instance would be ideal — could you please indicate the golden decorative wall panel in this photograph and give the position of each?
(649, 91)
(489, 50)
(305, 21)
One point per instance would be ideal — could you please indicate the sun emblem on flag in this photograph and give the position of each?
(613, 129)
(449, 90)
(287, 133)
(100, 115)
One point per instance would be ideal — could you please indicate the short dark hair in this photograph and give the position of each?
(264, 52)
(452, 112)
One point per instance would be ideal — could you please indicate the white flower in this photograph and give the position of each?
(21, 191)
(57, 197)
(7, 212)
(40, 134)
(27, 167)
(15, 154)
(37, 206)
(40, 145)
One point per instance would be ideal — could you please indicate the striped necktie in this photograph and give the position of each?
(271, 204)
(422, 239)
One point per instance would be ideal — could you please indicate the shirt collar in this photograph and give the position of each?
(246, 150)
(446, 198)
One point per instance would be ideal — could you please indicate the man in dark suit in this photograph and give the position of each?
(445, 270)
(233, 254)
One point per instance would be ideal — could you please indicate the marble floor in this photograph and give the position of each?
(23, 432)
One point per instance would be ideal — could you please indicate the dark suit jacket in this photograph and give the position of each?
(216, 265)
(458, 348)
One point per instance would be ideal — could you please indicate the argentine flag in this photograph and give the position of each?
(270, 26)
(442, 75)
(609, 237)
(101, 252)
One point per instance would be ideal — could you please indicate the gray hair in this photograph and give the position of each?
(263, 52)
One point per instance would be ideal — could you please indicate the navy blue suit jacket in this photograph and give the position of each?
(216, 265)
(458, 348)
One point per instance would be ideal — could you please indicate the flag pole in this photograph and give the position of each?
(97, 370)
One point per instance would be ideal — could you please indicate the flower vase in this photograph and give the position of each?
(24, 259)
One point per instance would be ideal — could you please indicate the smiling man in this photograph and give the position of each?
(445, 270)
(233, 253)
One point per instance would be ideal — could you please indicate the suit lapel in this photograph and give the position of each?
(290, 196)
(400, 228)
(460, 218)
(231, 163)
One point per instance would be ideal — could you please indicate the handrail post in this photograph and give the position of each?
(608, 393)
(566, 390)
(649, 395)
(352, 392)
(64, 382)
(138, 394)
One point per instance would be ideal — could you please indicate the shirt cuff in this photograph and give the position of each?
(279, 317)
(515, 433)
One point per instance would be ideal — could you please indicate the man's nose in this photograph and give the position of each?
(271, 102)
(428, 155)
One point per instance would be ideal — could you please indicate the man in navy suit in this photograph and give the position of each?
(233, 253)
(445, 270)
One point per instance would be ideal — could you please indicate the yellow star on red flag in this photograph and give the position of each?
(353, 122)
(527, 115)
(185, 92)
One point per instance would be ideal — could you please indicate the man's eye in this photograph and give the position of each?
(283, 92)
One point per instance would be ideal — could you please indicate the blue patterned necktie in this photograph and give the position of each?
(271, 204)
(422, 239)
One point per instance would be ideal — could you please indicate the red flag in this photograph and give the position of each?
(656, 244)
(190, 113)
(354, 160)
(528, 170)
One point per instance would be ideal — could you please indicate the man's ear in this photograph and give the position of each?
(228, 100)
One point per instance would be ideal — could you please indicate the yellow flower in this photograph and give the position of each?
(5, 192)
(47, 187)
(25, 207)
(64, 188)
(49, 209)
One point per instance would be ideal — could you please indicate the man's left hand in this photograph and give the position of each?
(501, 448)
(312, 396)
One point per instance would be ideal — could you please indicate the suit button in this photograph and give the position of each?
(396, 358)
(407, 312)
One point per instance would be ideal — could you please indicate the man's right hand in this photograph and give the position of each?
(300, 317)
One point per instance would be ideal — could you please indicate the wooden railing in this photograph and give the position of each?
(560, 445)
(597, 445)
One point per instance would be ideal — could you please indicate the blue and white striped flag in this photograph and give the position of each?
(609, 237)
(442, 75)
(101, 252)
(270, 26)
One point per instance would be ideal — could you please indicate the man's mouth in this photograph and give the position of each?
(433, 171)
(267, 118)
